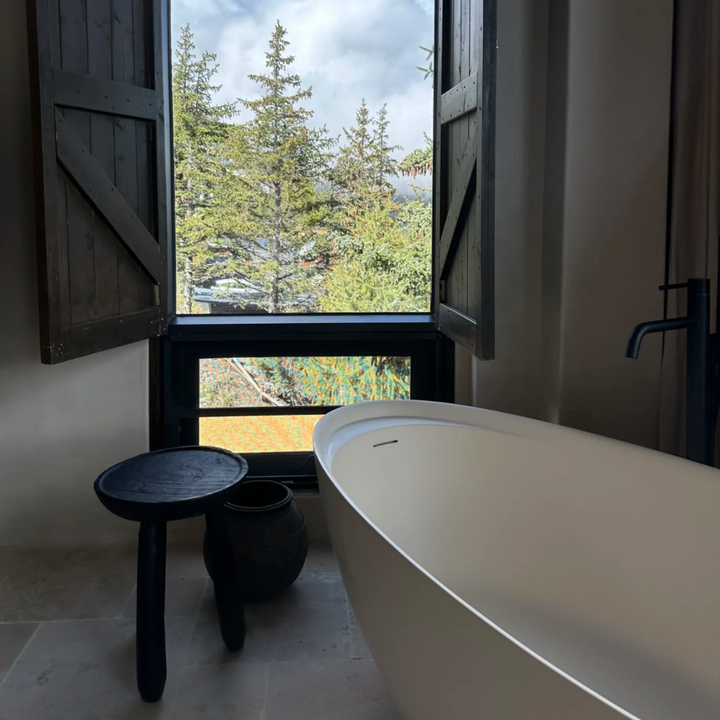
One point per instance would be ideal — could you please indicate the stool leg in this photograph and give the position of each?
(150, 642)
(228, 595)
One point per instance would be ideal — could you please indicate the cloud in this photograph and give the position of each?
(345, 51)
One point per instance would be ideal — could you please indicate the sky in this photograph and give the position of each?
(346, 50)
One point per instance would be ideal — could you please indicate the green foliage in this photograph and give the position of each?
(382, 261)
(239, 382)
(419, 161)
(429, 70)
(364, 163)
(199, 133)
(385, 261)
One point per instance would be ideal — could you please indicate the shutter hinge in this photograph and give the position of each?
(442, 289)
(157, 295)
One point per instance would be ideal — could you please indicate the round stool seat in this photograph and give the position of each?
(171, 484)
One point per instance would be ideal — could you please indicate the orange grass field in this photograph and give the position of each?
(266, 433)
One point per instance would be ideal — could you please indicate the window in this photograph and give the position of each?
(281, 396)
(303, 156)
(299, 245)
(263, 394)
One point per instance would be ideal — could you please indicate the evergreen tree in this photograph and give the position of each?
(365, 163)
(274, 190)
(382, 261)
(384, 166)
(353, 169)
(419, 161)
(199, 134)
(385, 261)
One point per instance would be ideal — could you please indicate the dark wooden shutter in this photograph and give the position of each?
(102, 225)
(464, 173)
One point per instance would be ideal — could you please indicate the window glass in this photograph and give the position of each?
(303, 155)
(259, 434)
(282, 382)
(302, 381)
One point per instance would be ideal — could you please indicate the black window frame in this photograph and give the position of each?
(175, 357)
(175, 367)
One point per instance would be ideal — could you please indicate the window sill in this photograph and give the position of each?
(212, 327)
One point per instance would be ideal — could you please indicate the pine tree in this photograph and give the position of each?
(385, 261)
(199, 134)
(278, 165)
(365, 163)
(353, 170)
(383, 258)
(384, 166)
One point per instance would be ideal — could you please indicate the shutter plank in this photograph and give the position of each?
(81, 247)
(143, 63)
(458, 326)
(460, 273)
(80, 235)
(459, 100)
(103, 96)
(440, 144)
(474, 261)
(101, 334)
(457, 280)
(61, 257)
(102, 145)
(486, 185)
(123, 53)
(159, 76)
(457, 149)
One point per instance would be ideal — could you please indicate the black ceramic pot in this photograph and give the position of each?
(269, 538)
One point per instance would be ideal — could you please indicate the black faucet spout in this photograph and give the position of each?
(700, 407)
(654, 326)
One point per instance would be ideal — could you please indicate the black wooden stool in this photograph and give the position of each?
(172, 485)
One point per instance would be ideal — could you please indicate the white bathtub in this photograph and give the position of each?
(507, 569)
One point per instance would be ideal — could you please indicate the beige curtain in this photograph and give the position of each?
(694, 198)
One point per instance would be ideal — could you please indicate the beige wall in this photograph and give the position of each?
(509, 383)
(60, 426)
(581, 205)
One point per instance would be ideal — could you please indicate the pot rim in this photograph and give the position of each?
(263, 508)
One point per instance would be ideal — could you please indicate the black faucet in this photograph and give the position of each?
(700, 400)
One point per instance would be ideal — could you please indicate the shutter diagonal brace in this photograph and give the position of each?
(460, 203)
(87, 174)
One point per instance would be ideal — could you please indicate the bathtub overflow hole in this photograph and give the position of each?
(387, 442)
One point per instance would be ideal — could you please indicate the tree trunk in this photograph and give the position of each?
(188, 285)
(274, 304)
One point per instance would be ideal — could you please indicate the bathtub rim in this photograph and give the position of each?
(340, 426)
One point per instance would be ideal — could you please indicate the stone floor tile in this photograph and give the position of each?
(183, 597)
(186, 561)
(308, 621)
(321, 559)
(222, 692)
(358, 645)
(13, 638)
(2, 678)
(85, 670)
(65, 583)
(339, 689)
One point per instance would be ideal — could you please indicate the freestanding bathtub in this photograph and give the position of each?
(507, 569)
